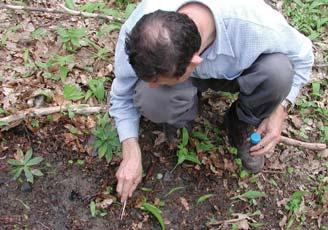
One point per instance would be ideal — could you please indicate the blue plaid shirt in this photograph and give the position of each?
(245, 30)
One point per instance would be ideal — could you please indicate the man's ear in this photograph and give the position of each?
(196, 60)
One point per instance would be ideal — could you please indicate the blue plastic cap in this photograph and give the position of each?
(255, 138)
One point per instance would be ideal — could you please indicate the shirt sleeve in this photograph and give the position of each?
(122, 107)
(298, 48)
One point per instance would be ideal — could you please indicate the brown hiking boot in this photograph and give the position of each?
(239, 133)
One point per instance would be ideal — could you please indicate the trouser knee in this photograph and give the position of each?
(174, 105)
(263, 86)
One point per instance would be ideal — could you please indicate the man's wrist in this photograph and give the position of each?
(131, 148)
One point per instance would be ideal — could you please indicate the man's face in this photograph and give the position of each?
(170, 81)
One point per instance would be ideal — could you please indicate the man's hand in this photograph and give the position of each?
(270, 128)
(129, 173)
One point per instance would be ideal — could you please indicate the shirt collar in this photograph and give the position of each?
(221, 44)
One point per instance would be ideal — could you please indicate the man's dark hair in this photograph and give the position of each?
(162, 43)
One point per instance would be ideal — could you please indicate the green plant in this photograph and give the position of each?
(6, 33)
(204, 197)
(154, 211)
(183, 153)
(95, 211)
(71, 37)
(38, 33)
(107, 28)
(293, 207)
(203, 144)
(251, 194)
(25, 163)
(174, 190)
(96, 87)
(72, 92)
(107, 142)
(308, 16)
(58, 65)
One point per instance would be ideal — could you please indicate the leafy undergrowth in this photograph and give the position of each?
(59, 60)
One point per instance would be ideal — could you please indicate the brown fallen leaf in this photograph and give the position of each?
(184, 203)
(106, 202)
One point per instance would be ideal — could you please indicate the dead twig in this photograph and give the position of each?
(63, 10)
(302, 144)
(35, 112)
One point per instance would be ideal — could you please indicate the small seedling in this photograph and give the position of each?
(95, 211)
(293, 207)
(154, 211)
(107, 142)
(56, 68)
(174, 190)
(204, 144)
(204, 197)
(96, 87)
(25, 163)
(183, 153)
(71, 37)
(249, 195)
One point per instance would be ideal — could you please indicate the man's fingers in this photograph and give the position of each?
(126, 189)
(119, 186)
(134, 186)
(264, 150)
(263, 143)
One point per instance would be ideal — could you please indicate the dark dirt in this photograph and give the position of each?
(60, 199)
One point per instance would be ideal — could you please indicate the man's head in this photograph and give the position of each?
(163, 45)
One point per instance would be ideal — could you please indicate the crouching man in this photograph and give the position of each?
(167, 51)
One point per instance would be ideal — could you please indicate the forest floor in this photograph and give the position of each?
(47, 60)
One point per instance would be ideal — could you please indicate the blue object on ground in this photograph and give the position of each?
(255, 138)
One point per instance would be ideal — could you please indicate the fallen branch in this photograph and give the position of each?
(35, 112)
(64, 10)
(306, 145)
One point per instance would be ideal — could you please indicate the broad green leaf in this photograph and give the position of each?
(204, 197)
(70, 4)
(129, 9)
(15, 162)
(204, 147)
(17, 172)
(2, 111)
(28, 156)
(155, 211)
(316, 88)
(36, 172)
(63, 71)
(97, 88)
(38, 33)
(72, 92)
(93, 209)
(199, 135)
(174, 190)
(102, 150)
(107, 28)
(294, 204)
(192, 157)
(91, 7)
(28, 174)
(146, 189)
(185, 137)
(251, 194)
(3, 123)
(34, 161)
(112, 12)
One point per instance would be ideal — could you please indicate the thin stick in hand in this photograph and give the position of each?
(124, 205)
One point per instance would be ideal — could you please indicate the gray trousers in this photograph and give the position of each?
(261, 89)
